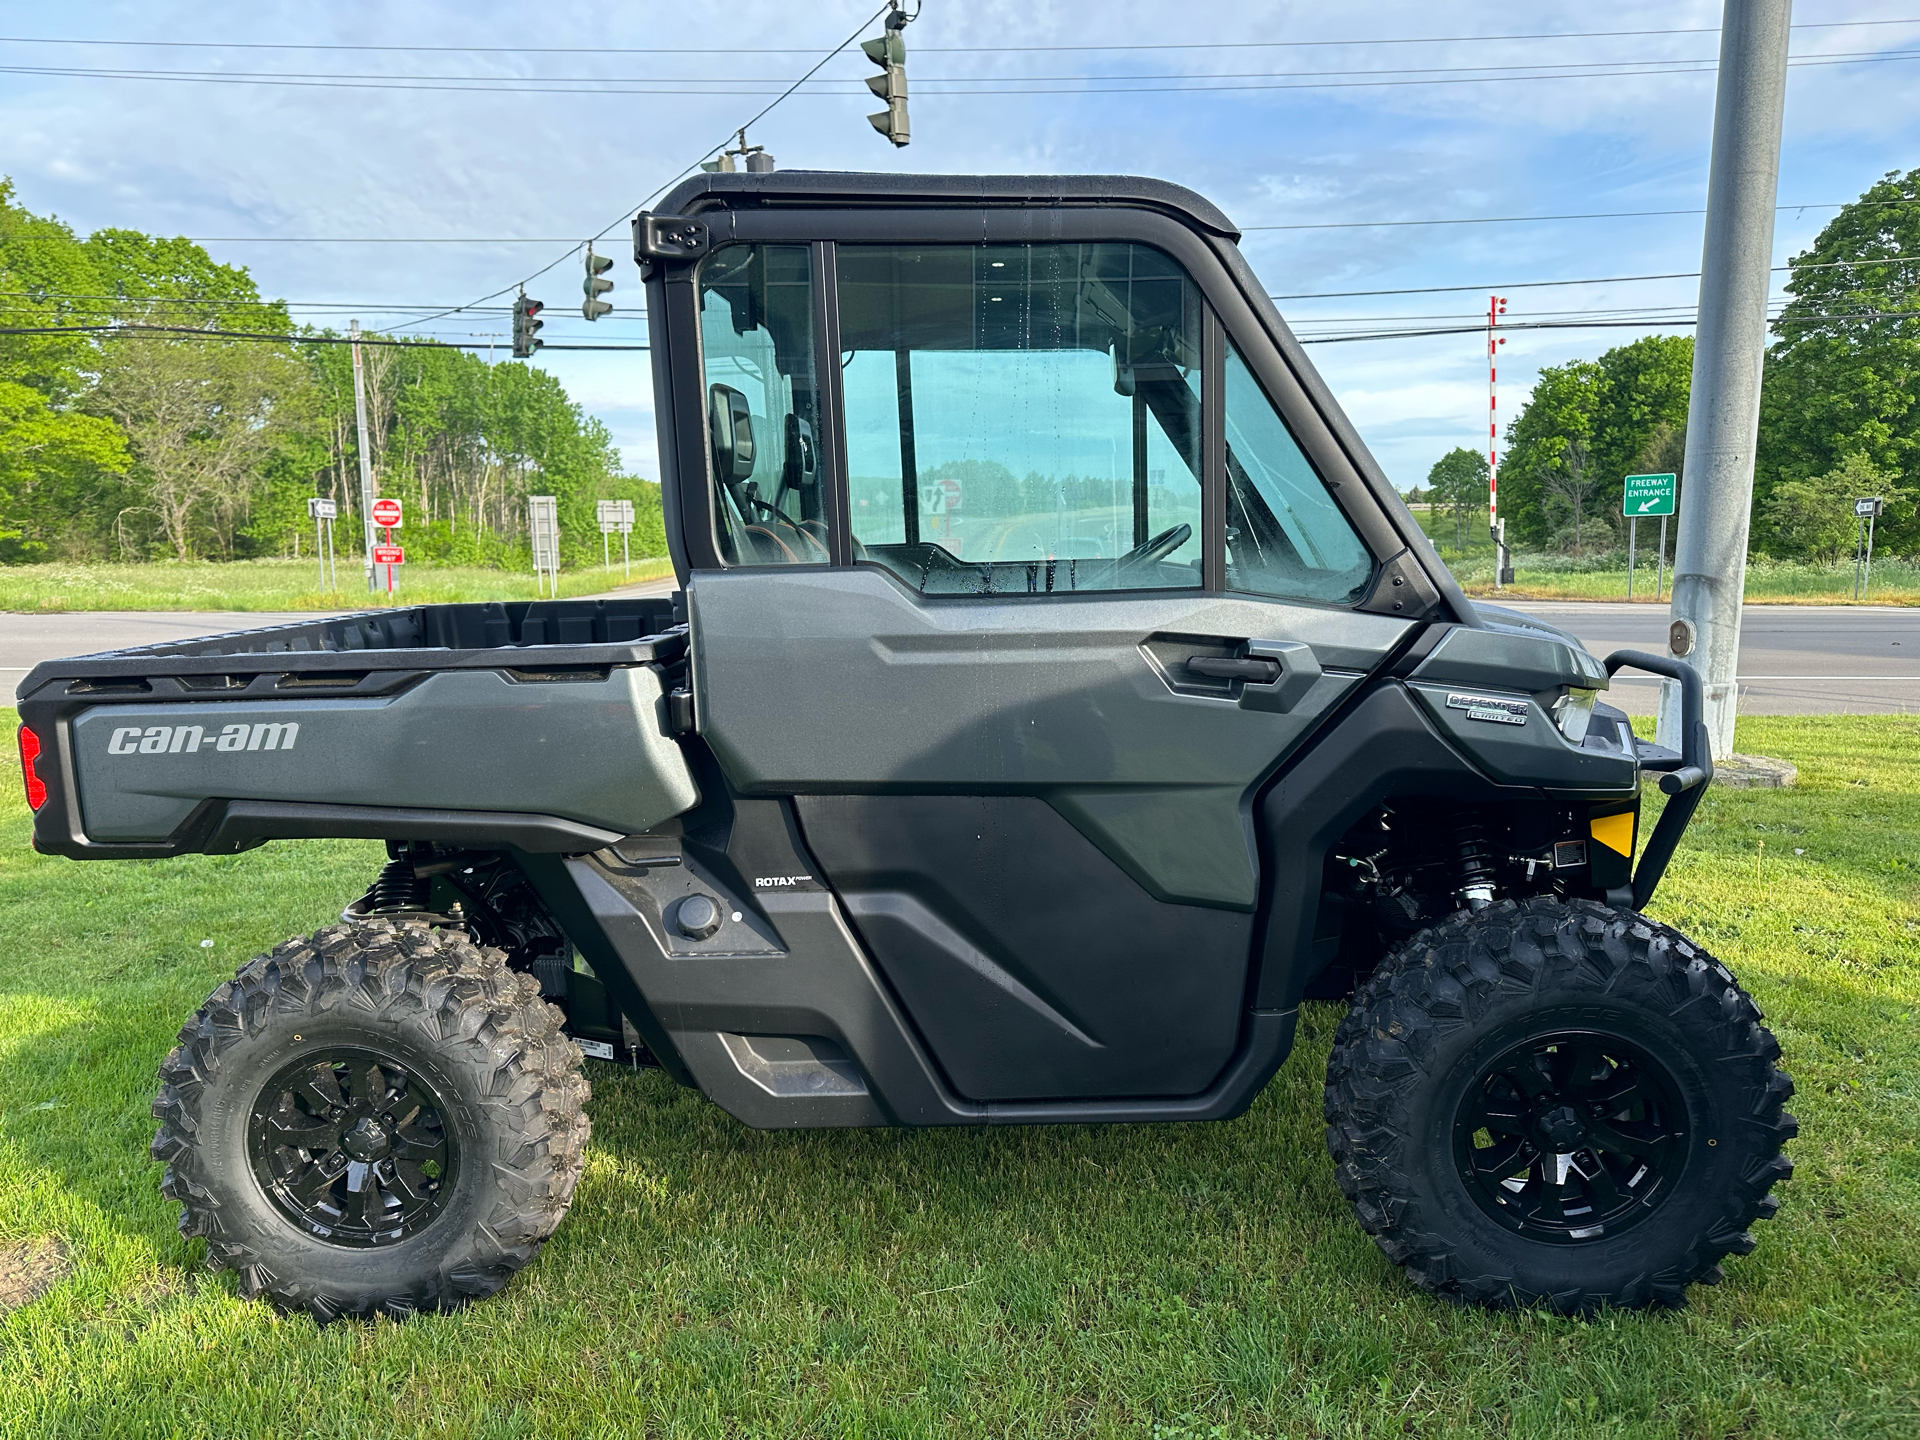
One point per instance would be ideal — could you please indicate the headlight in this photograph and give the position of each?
(1573, 712)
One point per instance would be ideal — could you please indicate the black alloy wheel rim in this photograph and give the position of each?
(352, 1146)
(1571, 1138)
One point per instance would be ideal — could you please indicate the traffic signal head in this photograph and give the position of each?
(594, 286)
(525, 326)
(889, 52)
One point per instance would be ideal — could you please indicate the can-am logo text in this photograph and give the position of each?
(188, 739)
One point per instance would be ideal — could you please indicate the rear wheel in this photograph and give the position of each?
(1557, 1103)
(373, 1119)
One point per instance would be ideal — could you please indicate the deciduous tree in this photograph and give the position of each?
(1843, 375)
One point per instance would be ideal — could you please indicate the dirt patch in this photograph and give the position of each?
(29, 1268)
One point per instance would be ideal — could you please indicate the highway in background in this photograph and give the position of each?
(1794, 659)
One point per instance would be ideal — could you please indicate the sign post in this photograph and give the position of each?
(615, 515)
(1647, 495)
(543, 531)
(322, 512)
(1868, 510)
(386, 514)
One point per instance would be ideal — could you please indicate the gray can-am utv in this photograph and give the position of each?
(1056, 696)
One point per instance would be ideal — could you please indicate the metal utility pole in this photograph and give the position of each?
(1710, 560)
(366, 461)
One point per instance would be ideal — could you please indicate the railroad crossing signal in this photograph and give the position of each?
(889, 52)
(594, 286)
(1647, 495)
(525, 325)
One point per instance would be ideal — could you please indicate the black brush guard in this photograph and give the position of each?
(1683, 786)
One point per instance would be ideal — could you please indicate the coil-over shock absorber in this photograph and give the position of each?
(1473, 863)
(397, 888)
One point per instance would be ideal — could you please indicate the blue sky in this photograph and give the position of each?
(1349, 142)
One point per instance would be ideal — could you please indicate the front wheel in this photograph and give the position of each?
(1557, 1103)
(372, 1120)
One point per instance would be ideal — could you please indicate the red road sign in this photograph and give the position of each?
(386, 513)
(389, 555)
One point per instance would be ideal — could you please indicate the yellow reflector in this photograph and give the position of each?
(1614, 831)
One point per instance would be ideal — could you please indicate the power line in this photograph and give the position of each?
(128, 331)
(1534, 219)
(851, 82)
(1587, 325)
(1791, 269)
(922, 49)
(685, 170)
(1600, 280)
(988, 86)
(123, 331)
(1244, 229)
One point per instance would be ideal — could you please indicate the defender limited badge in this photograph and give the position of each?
(1489, 707)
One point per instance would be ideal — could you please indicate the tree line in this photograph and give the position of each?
(1839, 409)
(194, 443)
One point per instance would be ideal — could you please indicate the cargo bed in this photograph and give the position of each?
(542, 726)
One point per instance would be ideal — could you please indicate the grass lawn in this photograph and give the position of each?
(1158, 1281)
(1558, 577)
(277, 585)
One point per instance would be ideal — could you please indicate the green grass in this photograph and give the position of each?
(1152, 1281)
(1538, 576)
(277, 585)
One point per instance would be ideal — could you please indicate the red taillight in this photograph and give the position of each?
(30, 752)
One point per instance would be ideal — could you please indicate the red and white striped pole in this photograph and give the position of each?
(1496, 307)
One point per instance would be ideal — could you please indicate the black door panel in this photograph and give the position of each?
(829, 681)
(1032, 965)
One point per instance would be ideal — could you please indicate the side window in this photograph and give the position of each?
(1022, 418)
(1285, 536)
(763, 405)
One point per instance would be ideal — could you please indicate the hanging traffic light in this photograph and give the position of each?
(889, 52)
(524, 326)
(594, 287)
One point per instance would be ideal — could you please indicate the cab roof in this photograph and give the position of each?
(844, 188)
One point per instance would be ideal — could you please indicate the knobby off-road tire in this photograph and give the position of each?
(369, 1051)
(1604, 1042)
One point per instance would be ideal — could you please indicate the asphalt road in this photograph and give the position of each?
(1794, 660)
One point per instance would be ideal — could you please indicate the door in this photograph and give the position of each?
(1091, 595)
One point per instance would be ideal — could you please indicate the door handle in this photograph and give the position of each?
(1299, 672)
(1221, 667)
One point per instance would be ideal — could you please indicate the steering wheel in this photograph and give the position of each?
(1149, 552)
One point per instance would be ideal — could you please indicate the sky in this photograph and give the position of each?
(485, 140)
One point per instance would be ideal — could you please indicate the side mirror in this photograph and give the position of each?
(732, 424)
(800, 455)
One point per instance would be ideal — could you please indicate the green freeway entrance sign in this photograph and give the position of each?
(1647, 495)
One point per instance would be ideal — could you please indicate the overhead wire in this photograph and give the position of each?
(1601, 280)
(986, 86)
(924, 49)
(683, 171)
(202, 302)
(118, 331)
(1244, 229)
(114, 331)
